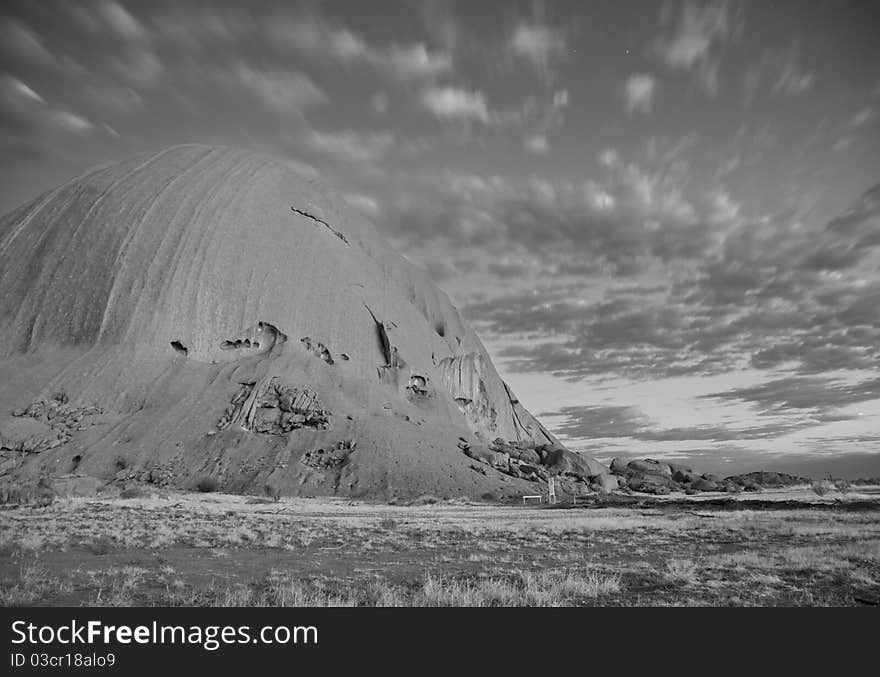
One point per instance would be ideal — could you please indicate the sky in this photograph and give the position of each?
(663, 219)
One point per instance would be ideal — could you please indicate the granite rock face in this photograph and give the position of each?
(199, 285)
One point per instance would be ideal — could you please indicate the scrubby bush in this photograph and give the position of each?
(208, 484)
(822, 487)
(132, 492)
(843, 486)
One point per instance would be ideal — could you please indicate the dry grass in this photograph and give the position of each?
(682, 571)
(212, 549)
(34, 584)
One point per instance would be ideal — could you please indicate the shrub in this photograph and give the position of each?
(207, 484)
(843, 486)
(822, 487)
(132, 492)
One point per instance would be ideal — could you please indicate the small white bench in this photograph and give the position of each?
(536, 496)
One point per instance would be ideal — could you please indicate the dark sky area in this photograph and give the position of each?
(662, 218)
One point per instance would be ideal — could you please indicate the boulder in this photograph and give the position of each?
(650, 466)
(618, 466)
(681, 468)
(27, 435)
(703, 484)
(560, 461)
(685, 476)
(649, 484)
(605, 483)
(486, 455)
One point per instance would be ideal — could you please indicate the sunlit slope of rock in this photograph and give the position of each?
(228, 317)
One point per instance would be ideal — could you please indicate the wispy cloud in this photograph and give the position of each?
(540, 45)
(349, 145)
(285, 92)
(695, 39)
(778, 72)
(454, 103)
(639, 91)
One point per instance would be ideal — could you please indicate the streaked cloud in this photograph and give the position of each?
(285, 92)
(349, 145)
(639, 91)
(454, 103)
(540, 45)
(693, 40)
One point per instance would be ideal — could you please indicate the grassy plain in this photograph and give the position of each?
(219, 550)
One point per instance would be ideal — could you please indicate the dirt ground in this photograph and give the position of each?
(785, 547)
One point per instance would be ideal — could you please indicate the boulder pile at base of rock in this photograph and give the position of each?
(539, 462)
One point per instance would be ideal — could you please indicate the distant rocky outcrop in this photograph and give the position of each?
(769, 480)
(656, 477)
(650, 476)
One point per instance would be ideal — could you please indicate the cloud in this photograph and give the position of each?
(452, 103)
(121, 21)
(318, 38)
(349, 145)
(140, 66)
(694, 43)
(540, 45)
(793, 81)
(413, 61)
(379, 103)
(367, 204)
(810, 393)
(862, 117)
(286, 92)
(25, 112)
(639, 91)
(778, 71)
(730, 293)
(20, 88)
(536, 144)
(71, 122)
(23, 43)
(630, 423)
(598, 421)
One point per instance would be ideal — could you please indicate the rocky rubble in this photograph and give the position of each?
(47, 423)
(275, 408)
(325, 459)
(538, 462)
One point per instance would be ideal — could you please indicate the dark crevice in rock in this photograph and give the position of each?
(325, 459)
(317, 348)
(382, 333)
(261, 336)
(179, 347)
(418, 385)
(322, 222)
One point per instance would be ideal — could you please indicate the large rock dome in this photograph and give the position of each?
(205, 311)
